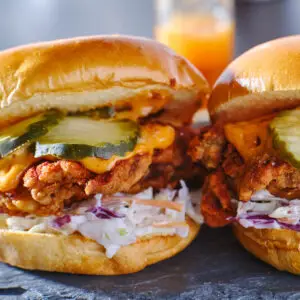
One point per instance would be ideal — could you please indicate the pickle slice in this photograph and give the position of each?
(98, 113)
(285, 129)
(27, 131)
(79, 137)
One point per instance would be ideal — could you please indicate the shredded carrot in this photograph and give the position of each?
(170, 224)
(161, 203)
(154, 202)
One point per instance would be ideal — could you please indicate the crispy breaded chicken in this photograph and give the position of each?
(56, 181)
(208, 146)
(122, 177)
(56, 184)
(231, 173)
(49, 187)
(216, 200)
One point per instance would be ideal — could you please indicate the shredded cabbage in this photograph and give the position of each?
(267, 211)
(113, 223)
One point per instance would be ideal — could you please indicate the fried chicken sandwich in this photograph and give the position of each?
(94, 136)
(252, 151)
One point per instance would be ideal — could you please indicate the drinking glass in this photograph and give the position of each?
(201, 30)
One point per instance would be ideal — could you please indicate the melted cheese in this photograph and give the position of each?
(249, 138)
(141, 106)
(153, 136)
(12, 167)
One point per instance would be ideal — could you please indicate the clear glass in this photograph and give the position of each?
(201, 30)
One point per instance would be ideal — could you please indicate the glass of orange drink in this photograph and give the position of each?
(201, 30)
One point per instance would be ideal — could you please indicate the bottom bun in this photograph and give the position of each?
(277, 247)
(79, 255)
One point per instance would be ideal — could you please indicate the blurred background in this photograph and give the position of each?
(195, 34)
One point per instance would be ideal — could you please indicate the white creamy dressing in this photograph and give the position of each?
(267, 211)
(133, 221)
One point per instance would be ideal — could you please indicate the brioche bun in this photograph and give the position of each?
(89, 72)
(262, 80)
(79, 255)
(277, 247)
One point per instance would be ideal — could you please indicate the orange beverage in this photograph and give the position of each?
(206, 41)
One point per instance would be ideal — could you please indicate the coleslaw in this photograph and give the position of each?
(114, 221)
(267, 211)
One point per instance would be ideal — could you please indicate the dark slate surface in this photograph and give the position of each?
(213, 267)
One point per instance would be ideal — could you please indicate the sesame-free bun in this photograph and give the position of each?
(262, 80)
(277, 247)
(80, 74)
(79, 255)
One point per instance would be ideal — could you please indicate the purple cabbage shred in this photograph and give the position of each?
(295, 227)
(104, 213)
(265, 219)
(259, 217)
(61, 221)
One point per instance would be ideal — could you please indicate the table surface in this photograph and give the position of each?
(214, 266)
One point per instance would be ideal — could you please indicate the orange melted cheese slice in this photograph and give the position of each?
(153, 136)
(140, 108)
(12, 167)
(249, 138)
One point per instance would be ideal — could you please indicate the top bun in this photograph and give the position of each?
(263, 80)
(84, 73)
